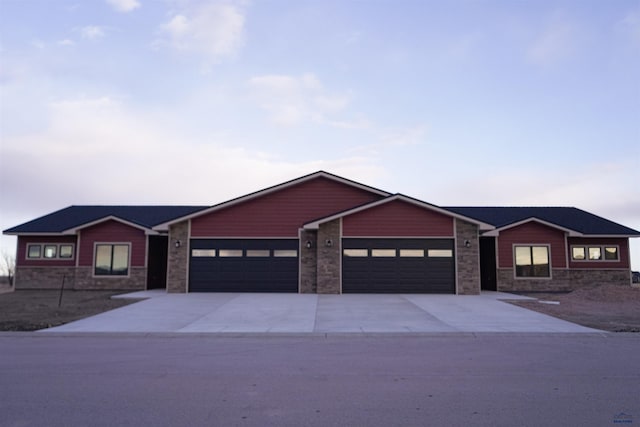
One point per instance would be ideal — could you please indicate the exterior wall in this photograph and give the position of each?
(308, 262)
(563, 280)
(178, 258)
(29, 277)
(80, 278)
(112, 232)
(534, 233)
(467, 258)
(622, 243)
(281, 213)
(329, 258)
(23, 241)
(395, 219)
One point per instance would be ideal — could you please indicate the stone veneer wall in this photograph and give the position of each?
(178, 258)
(308, 262)
(329, 258)
(78, 278)
(563, 280)
(467, 259)
(44, 277)
(84, 280)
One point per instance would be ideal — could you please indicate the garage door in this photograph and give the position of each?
(233, 265)
(398, 266)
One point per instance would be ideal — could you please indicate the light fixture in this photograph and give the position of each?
(467, 244)
(328, 243)
(309, 244)
(178, 243)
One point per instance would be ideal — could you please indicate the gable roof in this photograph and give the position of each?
(74, 217)
(273, 189)
(397, 197)
(568, 218)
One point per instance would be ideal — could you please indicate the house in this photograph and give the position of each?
(322, 233)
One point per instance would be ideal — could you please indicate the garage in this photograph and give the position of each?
(398, 266)
(243, 265)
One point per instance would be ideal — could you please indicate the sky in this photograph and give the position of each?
(474, 103)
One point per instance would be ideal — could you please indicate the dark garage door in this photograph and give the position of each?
(398, 266)
(233, 265)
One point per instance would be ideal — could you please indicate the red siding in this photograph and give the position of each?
(23, 241)
(621, 242)
(397, 218)
(531, 232)
(282, 213)
(113, 231)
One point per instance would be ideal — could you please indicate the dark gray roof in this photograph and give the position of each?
(571, 218)
(75, 216)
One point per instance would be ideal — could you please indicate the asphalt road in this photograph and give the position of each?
(437, 380)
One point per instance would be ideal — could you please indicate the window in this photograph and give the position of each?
(33, 251)
(50, 251)
(532, 261)
(198, 253)
(355, 252)
(440, 253)
(595, 253)
(578, 253)
(257, 253)
(112, 260)
(230, 252)
(66, 251)
(285, 253)
(412, 253)
(611, 253)
(383, 252)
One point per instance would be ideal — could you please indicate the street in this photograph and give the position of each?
(316, 380)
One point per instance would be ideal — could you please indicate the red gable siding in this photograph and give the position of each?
(23, 241)
(116, 232)
(622, 243)
(397, 218)
(532, 232)
(282, 213)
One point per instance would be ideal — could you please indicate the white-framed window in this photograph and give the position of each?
(50, 251)
(595, 253)
(111, 259)
(532, 261)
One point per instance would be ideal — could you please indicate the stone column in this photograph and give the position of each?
(178, 258)
(308, 262)
(330, 257)
(467, 258)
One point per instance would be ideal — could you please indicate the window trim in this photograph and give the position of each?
(602, 247)
(111, 276)
(41, 256)
(531, 245)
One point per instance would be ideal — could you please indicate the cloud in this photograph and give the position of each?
(555, 43)
(97, 150)
(215, 30)
(92, 32)
(292, 100)
(66, 42)
(630, 26)
(124, 5)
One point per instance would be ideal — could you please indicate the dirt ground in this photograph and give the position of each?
(27, 310)
(606, 307)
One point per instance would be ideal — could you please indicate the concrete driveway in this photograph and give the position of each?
(310, 313)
